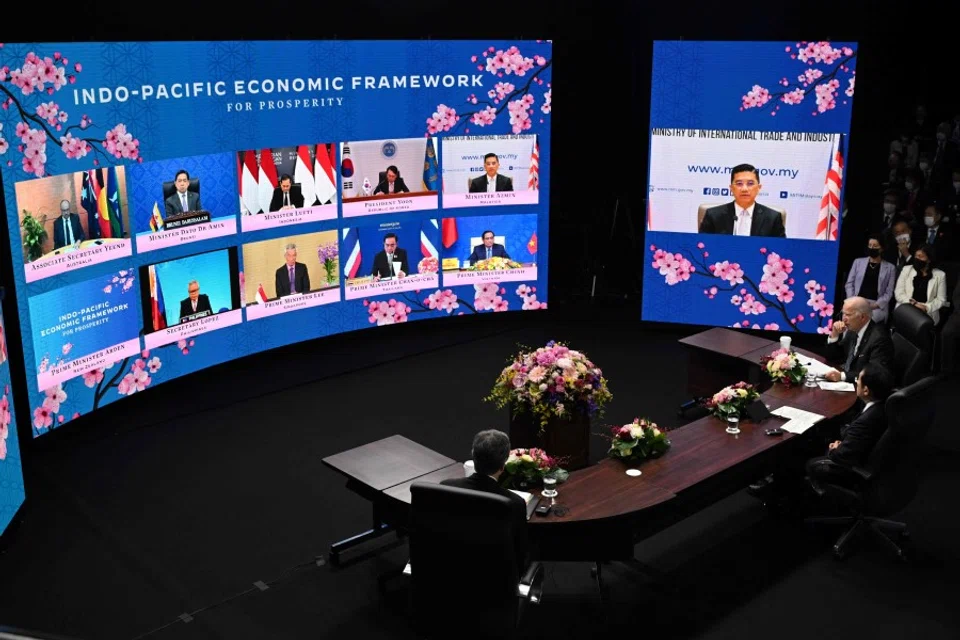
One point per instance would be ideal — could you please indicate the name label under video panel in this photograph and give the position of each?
(457, 278)
(77, 367)
(292, 303)
(186, 330)
(216, 228)
(91, 252)
(390, 204)
(394, 285)
(498, 198)
(288, 217)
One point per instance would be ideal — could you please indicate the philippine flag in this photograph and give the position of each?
(351, 248)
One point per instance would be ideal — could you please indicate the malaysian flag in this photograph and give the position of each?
(351, 248)
(829, 217)
(534, 182)
(427, 248)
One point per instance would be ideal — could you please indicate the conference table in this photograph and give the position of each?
(606, 511)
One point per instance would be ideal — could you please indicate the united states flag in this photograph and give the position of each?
(534, 181)
(830, 203)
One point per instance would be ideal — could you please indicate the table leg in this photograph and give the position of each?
(379, 528)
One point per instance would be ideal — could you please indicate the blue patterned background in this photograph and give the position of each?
(700, 85)
(11, 467)
(517, 229)
(201, 135)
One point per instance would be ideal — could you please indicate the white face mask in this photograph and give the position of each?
(903, 237)
(908, 186)
(889, 207)
(941, 137)
(924, 166)
(928, 220)
(956, 185)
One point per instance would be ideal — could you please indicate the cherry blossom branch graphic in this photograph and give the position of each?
(46, 121)
(489, 296)
(773, 291)
(823, 82)
(518, 101)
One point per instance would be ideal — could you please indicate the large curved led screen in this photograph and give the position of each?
(748, 147)
(172, 206)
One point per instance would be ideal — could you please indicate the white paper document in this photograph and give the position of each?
(815, 367)
(798, 420)
(836, 386)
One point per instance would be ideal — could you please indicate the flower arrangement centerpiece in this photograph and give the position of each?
(639, 440)
(552, 394)
(784, 367)
(428, 265)
(527, 467)
(34, 235)
(731, 401)
(495, 264)
(328, 254)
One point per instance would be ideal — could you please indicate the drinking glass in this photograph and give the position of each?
(549, 487)
(811, 380)
(733, 424)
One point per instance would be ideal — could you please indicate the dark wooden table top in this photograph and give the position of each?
(727, 342)
(755, 355)
(387, 463)
(401, 491)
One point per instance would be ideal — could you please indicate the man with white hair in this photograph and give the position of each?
(858, 340)
(292, 277)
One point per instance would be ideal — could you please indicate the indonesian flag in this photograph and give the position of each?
(830, 203)
(427, 247)
(534, 182)
(325, 180)
(243, 207)
(448, 232)
(303, 174)
(267, 181)
(261, 294)
(346, 172)
(351, 248)
(249, 189)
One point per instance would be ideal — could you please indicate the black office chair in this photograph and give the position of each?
(912, 344)
(170, 187)
(888, 482)
(462, 563)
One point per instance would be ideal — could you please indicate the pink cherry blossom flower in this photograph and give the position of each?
(93, 377)
(42, 418)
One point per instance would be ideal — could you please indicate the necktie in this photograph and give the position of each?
(68, 230)
(292, 286)
(183, 202)
(932, 236)
(390, 262)
(852, 354)
(286, 199)
(488, 253)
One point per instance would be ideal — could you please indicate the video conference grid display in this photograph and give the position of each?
(138, 267)
(745, 189)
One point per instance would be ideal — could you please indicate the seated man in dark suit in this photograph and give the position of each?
(384, 261)
(488, 249)
(875, 383)
(490, 451)
(284, 197)
(491, 181)
(744, 216)
(863, 341)
(182, 200)
(393, 183)
(292, 277)
(196, 302)
(66, 228)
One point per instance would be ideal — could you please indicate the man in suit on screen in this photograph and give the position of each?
(491, 181)
(66, 228)
(195, 302)
(182, 200)
(384, 263)
(490, 451)
(284, 197)
(744, 216)
(292, 277)
(489, 249)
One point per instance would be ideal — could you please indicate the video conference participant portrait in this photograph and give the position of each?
(492, 180)
(291, 277)
(744, 216)
(391, 262)
(183, 200)
(490, 170)
(389, 176)
(284, 197)
(392, 183)
(196, 304)
(488, 249)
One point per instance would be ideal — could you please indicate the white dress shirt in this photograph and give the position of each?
(744, 220)
(831, 340)
(491, 184)
(867, 406)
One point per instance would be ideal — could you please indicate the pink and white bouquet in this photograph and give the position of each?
(552, 382)
(428, 265)
(529, 466)
(639, 440)
(731, 401)
(496, 263)
(784, 367)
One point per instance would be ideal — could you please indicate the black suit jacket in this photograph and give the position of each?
(301, 279)
(766, 222)
(858, 438)
(173, 205)
(296, 199)
(60, 237)
(480, 253)
(480, 482)
(399, 186)
(382, 269)
(479, 185)
(876, 347)
(203, 304)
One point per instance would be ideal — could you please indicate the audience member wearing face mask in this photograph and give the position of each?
(921, 285)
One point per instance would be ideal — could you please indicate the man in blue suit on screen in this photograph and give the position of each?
(488, 249)
(67, 229)
(744, 216)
